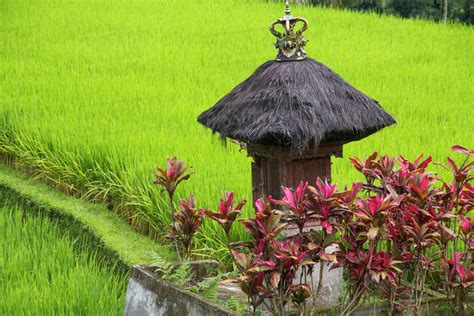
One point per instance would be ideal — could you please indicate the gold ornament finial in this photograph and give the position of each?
(291, 42)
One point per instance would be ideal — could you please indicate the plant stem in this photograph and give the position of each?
(227, 241)
(320, 281)
(390, 289)
(312, 287)
(173, 223)
(354, 303)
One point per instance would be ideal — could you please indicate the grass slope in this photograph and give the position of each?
(95, 223)
(43, 274)
(96, 94)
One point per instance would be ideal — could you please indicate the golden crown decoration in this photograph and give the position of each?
(290, 42)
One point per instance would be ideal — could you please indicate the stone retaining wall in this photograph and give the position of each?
(147, 294)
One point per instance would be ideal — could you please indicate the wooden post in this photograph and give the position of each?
(274, 167)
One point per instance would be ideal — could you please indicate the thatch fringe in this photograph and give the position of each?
(295, 104)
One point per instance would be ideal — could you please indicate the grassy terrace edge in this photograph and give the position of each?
(101, 228)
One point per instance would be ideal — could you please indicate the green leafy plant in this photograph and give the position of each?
(208, 287)
(178, 274)
(181, 275)
(236, 305)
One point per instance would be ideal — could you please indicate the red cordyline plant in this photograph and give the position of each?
(323, 204)
(294, 204)
(328, 208)
(269, 275)
(289, 258)
(258, 272)
(168, 179)
(264, 227)
(274, 267)
(298, 212)
(369, 270)
(227, 213)
(400, 228)
(422, 225)
(172, 175)
(458, 201)
(394, 214)
(253, 274)
(307, 208)
(188, 219)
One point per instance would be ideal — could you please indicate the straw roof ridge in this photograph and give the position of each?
(295, 104)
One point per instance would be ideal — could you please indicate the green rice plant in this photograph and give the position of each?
(44, 273)
(95, 95)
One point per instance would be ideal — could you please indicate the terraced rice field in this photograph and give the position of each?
(44, 273)
(94, 95)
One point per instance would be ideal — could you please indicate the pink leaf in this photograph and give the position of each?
(300, 190)
(465, 224)
(259, 206)
(327, 226)
(462, 150)
(289, 198)
(241, 259)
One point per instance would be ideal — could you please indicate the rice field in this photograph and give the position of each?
(94, 95)
(43, 273)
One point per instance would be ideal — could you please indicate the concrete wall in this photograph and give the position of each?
(147, 294)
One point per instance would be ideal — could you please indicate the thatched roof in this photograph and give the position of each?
(295, 101)
(295, 104)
